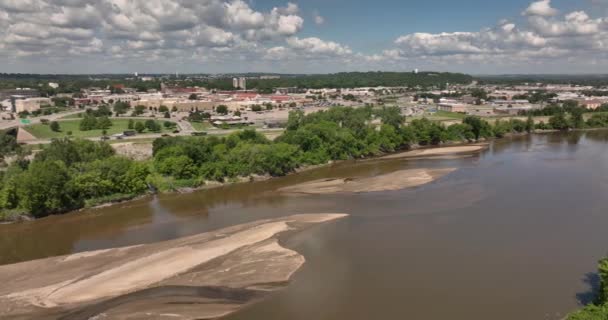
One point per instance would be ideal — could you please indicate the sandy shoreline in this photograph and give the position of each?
(222, 270)
(439, 153)
(388, 182)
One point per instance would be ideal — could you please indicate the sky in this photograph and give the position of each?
(303, 36)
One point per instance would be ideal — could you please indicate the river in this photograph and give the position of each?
(515, 233)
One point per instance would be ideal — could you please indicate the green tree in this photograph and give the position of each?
(221, 109)
(139, 110)
(577, 117)
(530, 124)
(103, 123)
(152, 126)
(131, 124)
(559, 122)
(139, 127)
(603, 273)
(479, 127)
(163, 109)
(89, 122)
(121, 108)
(43, 190)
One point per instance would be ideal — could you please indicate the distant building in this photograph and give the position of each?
(239, 83)
(591, 104)
(21, 104)
(53, 85)
(25, 92)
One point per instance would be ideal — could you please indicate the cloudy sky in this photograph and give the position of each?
(303, 36)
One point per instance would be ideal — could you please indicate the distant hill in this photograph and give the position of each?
(573, 79)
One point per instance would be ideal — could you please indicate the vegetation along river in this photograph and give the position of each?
(514, 233)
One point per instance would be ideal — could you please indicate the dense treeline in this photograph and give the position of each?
(598, 310)
(70, 174)
(74, 83)
(67, 175)
(581, 80)
(342, 80)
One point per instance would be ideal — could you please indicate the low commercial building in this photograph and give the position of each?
(591, 104)
(30, 104)
(452, 107)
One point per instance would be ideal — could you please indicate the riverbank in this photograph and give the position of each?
(202, 276)
(435, 152)
(388, 182)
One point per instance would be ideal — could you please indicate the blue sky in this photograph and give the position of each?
(369, 25)
(473, 36)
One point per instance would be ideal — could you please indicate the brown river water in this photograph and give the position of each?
(515, 233)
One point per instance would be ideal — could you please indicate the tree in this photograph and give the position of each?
(237, 113)
(391, 116)
(103, 123)
(163, 109)
(55, 126)
(151, 125)
(131, 124)
(256, 108)
(193, 97)
(530, 124)
(577, 117)
(478, 126)
(121, 108)
(174, 109)
(42, 190)
(221, 109)
(89, 122)
(139, 127)
(603, 272)
(167, 115)
(139, 110)
(559, 122)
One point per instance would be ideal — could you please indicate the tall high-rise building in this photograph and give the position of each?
(239, 83)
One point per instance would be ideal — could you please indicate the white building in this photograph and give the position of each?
(53, 85)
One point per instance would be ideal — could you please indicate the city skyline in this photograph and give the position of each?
(213, 36)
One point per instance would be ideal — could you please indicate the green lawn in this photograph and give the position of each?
(201, 126)
(42, 131)
(439, 116)
(451, 115)
(73, 116)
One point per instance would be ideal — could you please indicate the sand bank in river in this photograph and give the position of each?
(202, 276)
(439, 153)
(393, 181)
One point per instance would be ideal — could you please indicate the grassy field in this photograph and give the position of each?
(73, 116)
(201, 126)
(42, 131)
(440, 116)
